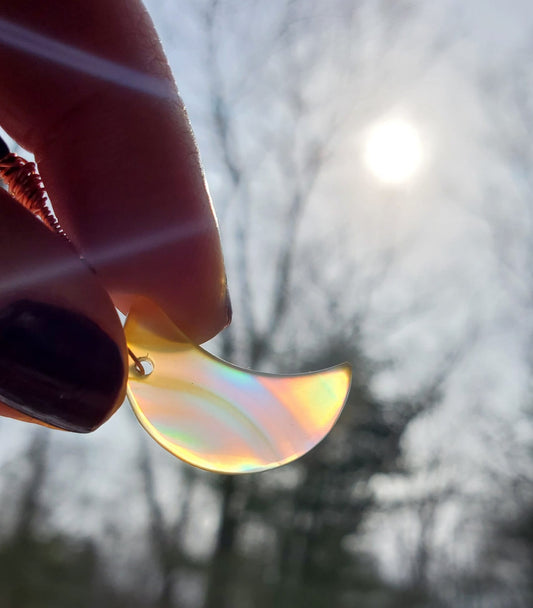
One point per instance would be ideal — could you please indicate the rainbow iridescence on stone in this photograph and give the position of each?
(217, 416)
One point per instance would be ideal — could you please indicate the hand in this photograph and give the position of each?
(86, 88)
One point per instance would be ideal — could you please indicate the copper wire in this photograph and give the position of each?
(25, 185)
(137, 362)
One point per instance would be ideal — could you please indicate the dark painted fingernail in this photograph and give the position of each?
(4, 148)
(57, 366)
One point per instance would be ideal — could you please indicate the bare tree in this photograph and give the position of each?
(507, 209)
(283, 87)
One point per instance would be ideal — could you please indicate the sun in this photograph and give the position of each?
(393, 151)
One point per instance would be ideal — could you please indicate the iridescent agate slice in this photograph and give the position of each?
(217, 416)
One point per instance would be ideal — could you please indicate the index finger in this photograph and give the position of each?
(86, 87)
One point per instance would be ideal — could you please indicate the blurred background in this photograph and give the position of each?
(370, 162)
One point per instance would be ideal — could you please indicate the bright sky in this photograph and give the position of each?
(393, 151)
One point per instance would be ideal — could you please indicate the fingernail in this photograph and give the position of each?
(229, 308)
(57, 366)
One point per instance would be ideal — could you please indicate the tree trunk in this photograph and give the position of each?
(221, 565)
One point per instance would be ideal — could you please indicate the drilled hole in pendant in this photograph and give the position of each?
(143, 366)
(147, 365)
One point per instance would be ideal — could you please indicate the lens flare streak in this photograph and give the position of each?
(33, 43)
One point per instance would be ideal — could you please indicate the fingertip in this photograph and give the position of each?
(63, 358)
(117, 157)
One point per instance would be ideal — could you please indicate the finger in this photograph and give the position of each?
(86, 87)
(63, 358)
